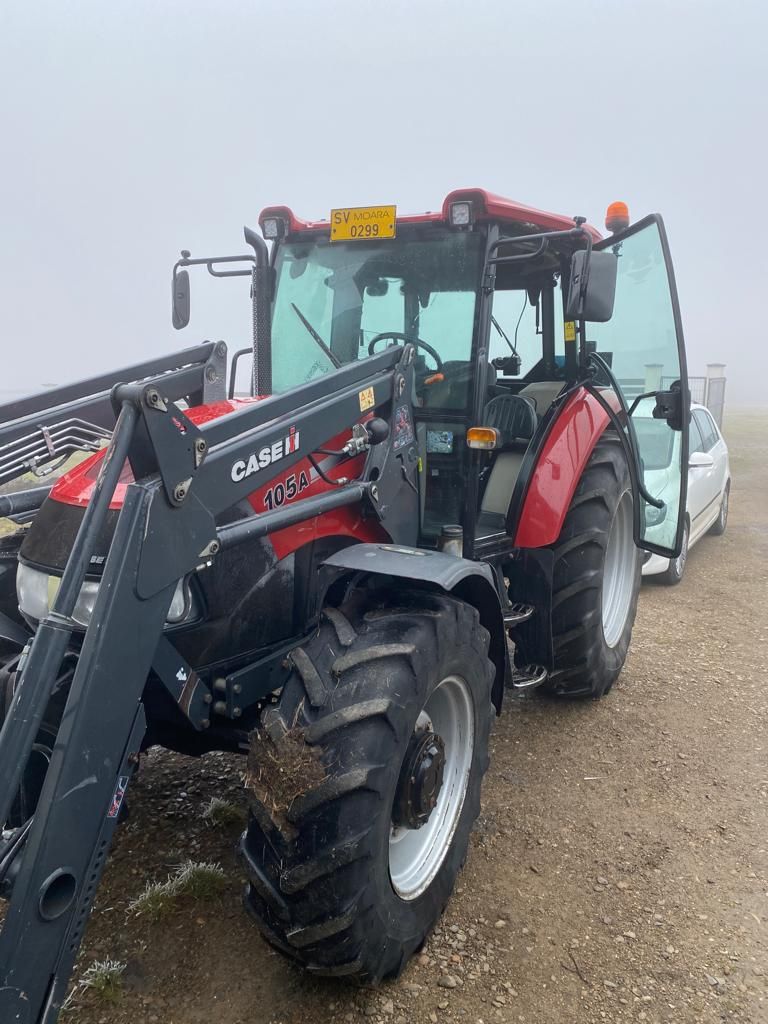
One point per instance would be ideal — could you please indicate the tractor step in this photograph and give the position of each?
(515, 614)
(529, 677)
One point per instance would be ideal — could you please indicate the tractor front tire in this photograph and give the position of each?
(364, 782)
(596, 578)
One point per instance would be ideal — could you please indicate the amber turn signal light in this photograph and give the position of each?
(486, 438)
(617, 217)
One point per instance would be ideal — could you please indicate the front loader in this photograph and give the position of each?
(434, 491)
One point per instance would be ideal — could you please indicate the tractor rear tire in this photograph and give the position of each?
(596, 578)
(332, 881)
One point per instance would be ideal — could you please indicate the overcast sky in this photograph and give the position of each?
(130, 129)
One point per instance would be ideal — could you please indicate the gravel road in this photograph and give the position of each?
(618, 872)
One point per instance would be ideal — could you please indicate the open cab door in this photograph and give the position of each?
(643, 345)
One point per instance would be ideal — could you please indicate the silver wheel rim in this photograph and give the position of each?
(619, 572)
(682, 557)
(416, 855)
(724, 510)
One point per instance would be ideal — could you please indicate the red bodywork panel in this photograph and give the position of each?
(566, 451)
(485, 206)
(76, 487)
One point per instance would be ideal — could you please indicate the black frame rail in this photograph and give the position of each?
(185, 476)
(46, 428)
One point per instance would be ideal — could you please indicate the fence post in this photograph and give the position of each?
(714, 372)
(653, 376)
(714, 398)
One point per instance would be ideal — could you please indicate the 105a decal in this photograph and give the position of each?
(286, 490)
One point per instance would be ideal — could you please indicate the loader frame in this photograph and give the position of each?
(166, 528)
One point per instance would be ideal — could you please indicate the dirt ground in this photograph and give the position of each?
(619, 871)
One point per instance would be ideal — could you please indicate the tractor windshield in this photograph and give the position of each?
(339, 302)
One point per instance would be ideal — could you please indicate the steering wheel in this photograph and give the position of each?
(399, 336)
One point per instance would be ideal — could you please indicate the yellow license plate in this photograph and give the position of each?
(363, 222)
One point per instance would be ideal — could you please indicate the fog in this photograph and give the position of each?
(133, 129)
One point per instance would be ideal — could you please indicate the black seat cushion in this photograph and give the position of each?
(514, 416)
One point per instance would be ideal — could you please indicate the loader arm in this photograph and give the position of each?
(185, 476)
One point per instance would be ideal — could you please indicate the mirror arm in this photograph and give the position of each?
(638, 400)
(210, 261)
(572, 233)
(543, 246)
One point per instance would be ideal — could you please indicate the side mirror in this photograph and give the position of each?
(180, 298)
(592, 287)
(700, 460)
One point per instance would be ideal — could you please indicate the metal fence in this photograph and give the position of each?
(716, 398)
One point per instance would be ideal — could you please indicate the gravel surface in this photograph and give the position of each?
(617, 873)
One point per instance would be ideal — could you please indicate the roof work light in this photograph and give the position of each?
(461, 215)
(617, 217)
(273, 227)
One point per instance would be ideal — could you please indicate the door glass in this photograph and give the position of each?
(695, 443)
(707, 429)
(642, 345)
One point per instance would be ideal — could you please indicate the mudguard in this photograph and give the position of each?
(473, 582)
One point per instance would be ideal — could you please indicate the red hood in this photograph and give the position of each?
(76, 486)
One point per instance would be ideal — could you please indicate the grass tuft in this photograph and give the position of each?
(105, 979)
(222, 814)
(199, 880)
(196, 880)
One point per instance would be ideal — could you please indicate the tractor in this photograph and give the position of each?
(427, 490)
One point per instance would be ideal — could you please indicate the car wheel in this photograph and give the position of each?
(676, 568)
(719, 525)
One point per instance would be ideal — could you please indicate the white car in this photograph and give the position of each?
(709, 484)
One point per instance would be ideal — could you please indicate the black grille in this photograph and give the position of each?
(52, 534)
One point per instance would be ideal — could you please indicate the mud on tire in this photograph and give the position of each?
(586, 661)
(316, 849)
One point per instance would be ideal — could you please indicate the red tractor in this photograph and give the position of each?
(435, 491)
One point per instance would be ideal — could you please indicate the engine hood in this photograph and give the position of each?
(76, 486)
(49, 539)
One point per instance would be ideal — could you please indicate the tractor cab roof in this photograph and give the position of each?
(484, 206)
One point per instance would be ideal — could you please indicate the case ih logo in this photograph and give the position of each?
(266, 456)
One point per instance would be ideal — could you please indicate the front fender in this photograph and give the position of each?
(470, 581)
(566, 450)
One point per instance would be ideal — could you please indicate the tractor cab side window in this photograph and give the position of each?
(517, 328)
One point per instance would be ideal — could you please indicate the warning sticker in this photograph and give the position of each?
(570, 330)
(403, 427)
(366, 399)
(119, 795)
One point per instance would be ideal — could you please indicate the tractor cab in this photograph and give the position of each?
(491, 295)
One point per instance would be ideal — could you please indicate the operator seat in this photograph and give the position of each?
(514, 416)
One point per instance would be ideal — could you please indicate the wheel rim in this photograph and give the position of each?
(683, 556)
(416, 855)
(724, 510)
(619, 572)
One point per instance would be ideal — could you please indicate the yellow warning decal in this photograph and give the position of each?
(570, 330)
(363, 222)
(367, 400)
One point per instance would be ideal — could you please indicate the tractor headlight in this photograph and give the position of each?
(36, 591)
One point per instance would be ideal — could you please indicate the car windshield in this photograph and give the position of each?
(333, 299)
